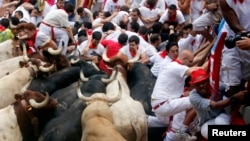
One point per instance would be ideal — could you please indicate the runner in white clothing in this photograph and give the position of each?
(173, 16)
(56, 25)
(169, 87)
(133, 49)
(163, 58)
(235, 62)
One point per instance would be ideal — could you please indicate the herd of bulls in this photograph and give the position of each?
(51, 97)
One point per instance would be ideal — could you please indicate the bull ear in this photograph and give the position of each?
(18, 96)
(22, 64)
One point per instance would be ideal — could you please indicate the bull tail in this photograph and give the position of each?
(140, 127)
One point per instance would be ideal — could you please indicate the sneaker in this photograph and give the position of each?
(185, 135)
(195, 129)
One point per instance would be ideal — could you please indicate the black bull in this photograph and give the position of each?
(141, 84)
(67, 125)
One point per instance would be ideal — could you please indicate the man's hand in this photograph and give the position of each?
(95, 59)
(212, 6)
(240, 95)
(244, 43)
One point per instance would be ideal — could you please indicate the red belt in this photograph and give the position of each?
(52, 30)
(158, 105)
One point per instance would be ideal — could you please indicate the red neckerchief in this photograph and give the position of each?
(92, 46)
(241, 1)
(178, 61)
(33, 37)
(193, 42)
(143, 36)
(78, 43)
(172, 18)
(115, 1)
(2, 28)
(133, 53)
(163, 54)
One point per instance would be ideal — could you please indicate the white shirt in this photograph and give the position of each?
(196, 6)
(147, 13)
(119, 17)
(138, 21)
(99, 49)
(159, 64)
(57, 18)
(169, 2)
(54, 7)
(41, 39)
(190, 43)
(26, 15)
(113, 7)
(170, 82)
(160, 4)
(125, 51)
(149, 49)
(156, 60)
(179, 17)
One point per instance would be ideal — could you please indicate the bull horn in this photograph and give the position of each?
(25, 56)
(74, 61)
(95, 66)
(112, 77)
(104, 56)
(37, 105)
(80, 95)
(73, 53)
(58, 51)
(117, 97)
(136, 58)
(46, 69)
(83, 78)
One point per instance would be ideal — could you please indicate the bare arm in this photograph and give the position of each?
(224, 103)
(143, 57)
(230, 17)
(108, 19)
(10, 4)
(70, 33)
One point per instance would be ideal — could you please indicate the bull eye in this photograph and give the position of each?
(34, 120)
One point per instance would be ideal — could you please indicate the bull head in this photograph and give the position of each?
(99, 96)
(37, 105)
(104, 80)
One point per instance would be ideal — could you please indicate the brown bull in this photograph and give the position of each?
(97, 118)
(24, 119)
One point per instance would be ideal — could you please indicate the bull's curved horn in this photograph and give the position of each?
(104, 56)
(74, 61)
(117, 97)
(73, 53)
(46, 69)
(112, 77)
(136, 58)
(99, 96)
(83, 78)
(80, 95)
(95, 66)
(25, 56)
(37, 105)
(58, 51)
